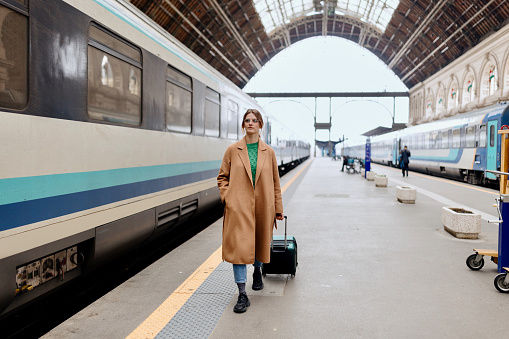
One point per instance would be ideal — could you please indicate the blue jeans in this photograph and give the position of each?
(240, 272)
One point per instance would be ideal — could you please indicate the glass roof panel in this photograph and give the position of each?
(276, 13)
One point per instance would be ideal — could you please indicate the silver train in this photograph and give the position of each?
(111, 133)
(462, 147)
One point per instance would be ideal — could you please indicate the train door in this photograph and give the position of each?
(395, 152)
(491, 163)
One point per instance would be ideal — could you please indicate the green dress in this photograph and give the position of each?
(252, 150)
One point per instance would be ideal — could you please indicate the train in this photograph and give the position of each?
(459, 147)
(112, 133)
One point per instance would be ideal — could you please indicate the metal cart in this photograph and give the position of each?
(501, 256)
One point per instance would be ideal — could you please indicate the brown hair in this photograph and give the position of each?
(256, 113)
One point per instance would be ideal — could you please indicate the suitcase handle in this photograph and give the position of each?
(272, 240)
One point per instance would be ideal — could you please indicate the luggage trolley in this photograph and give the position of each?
(353, 166)
(500, 257)
(476, 261)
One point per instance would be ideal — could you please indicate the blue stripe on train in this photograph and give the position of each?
(454, 157)
(28, 212)
(45, 186)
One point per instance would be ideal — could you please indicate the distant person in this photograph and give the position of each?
(345, 162)
(249, 185)
(405, 154)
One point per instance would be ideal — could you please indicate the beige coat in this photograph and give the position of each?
(249, 213)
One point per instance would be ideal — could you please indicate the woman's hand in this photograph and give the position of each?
(279, 216)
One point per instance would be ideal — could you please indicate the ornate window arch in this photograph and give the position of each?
(469, 92)
(506, 75)
(489, 79)
(453, 97)
(440, 104)
(429, 104)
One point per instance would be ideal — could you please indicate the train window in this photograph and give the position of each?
(240, 119)
(445, 139)
(482, 136)
(470, 136)
(456, 138)
(434, 140)
(178, 78)
(212, 113)
(269, 133)
(114, 79)
(233, 111)
(14, 35)
(427, 140)
(492, 135)
(115, 44)
(179, 98)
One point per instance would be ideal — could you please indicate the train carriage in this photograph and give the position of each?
(461, 147)
(111, 132)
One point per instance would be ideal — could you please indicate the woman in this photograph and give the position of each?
(248, 182)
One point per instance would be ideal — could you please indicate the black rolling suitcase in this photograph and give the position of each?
(283, 255)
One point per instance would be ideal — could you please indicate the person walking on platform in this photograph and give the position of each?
(250, 190)
(405, 154)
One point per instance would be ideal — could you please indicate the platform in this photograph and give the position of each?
(369, 267)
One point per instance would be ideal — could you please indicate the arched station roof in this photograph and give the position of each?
(415, 38)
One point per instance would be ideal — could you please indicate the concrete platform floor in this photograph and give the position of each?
(369, 267)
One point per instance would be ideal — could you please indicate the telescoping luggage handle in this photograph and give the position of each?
(272, 240)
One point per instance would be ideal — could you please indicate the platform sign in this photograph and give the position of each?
(367, 159)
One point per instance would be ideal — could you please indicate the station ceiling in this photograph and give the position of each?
(415, 38)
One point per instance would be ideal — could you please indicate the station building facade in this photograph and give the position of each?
(477, 79)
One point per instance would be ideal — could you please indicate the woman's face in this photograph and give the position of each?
(251, 124)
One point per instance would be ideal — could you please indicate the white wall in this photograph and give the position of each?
(478, 78)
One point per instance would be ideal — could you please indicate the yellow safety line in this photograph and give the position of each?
(163, 314)
(167, 310)
(295, 177)
(448, 182)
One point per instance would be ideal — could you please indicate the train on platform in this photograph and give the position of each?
(112, 133)
(460, 147)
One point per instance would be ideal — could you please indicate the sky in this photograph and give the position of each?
(329, 64)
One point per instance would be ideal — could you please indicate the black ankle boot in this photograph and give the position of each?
(257, 281)
(242, 303)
